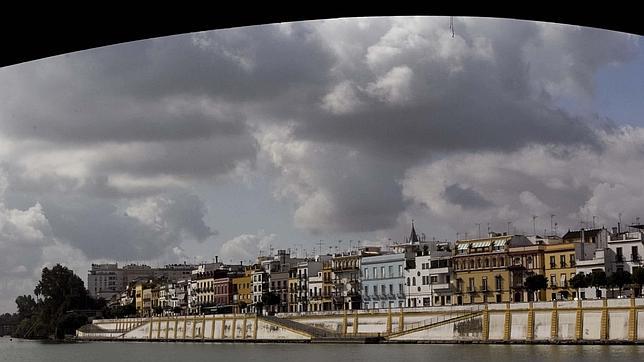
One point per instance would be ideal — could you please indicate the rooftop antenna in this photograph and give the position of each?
(594, 221)
(552, 216)
(488, 228)
(619, 223)
(556, 226)
(319, 243)
(509, 223)
(534, 224)
(479, 225)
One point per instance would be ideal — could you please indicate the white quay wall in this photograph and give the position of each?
(619, 320)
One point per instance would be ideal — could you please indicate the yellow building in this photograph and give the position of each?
(293, 287)
(242, 290)
(559, 269)
(525, 261)
(138, 297)
(482, 268)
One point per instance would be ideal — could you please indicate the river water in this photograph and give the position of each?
(32, 351)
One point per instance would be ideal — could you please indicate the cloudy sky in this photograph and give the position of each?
(234, 141)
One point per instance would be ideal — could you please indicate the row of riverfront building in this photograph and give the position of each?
(412, 273)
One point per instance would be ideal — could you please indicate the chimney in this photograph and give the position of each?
(216, 259)
(614, 230)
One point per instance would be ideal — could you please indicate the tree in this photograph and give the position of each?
(597, 279)
(535, 283)
(26, 306)
(579, 281)
(619, 279)
(638, 278)
(270, 299)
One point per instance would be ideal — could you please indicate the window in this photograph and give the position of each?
(487, 262)
(484, 283)
(434, 279)
(366, 273)
(375, 272)
(391, 271)
(447, 279)
(400, 289)
(471, 285)
(499, 283)
(391, 289)
(552, 262)
(620, 256)
(375, 290)
(408, 281)
(553, 280)
(634, 255)
(382, 271)
(413, 281)
(572, 260)
(494, 262)
(562, 261)
(501, 262)
(563, 281)
(383, 289)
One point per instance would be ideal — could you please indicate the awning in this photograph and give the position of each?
(501, 242)
(481, 244)
(462, 246)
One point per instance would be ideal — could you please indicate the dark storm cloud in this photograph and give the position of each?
(394, 92)
(103, 230)
(466, 197)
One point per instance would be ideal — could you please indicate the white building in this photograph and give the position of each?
(628, 248)
(428, 281)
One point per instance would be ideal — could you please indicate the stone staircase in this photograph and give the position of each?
(432, 323)
(315, 332)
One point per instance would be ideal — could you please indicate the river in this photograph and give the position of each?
(33, 351)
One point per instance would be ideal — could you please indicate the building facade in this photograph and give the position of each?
(383, 280)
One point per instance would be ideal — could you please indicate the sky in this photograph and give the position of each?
(232, 142)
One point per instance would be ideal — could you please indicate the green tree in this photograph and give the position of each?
(597, 279)
(26, 306)
(638, 278)
(619, 279)
(59, 291)
(534, 283)
(579, 281)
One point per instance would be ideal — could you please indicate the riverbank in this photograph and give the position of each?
(576, 322)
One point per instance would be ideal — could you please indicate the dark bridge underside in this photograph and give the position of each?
(35, 33)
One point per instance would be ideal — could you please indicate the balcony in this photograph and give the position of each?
(440, 286)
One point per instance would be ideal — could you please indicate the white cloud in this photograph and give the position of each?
(394, 87)
(588, 182)
(342, 99)
(246, 247)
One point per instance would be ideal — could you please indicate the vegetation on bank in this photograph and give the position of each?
(62, 305)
